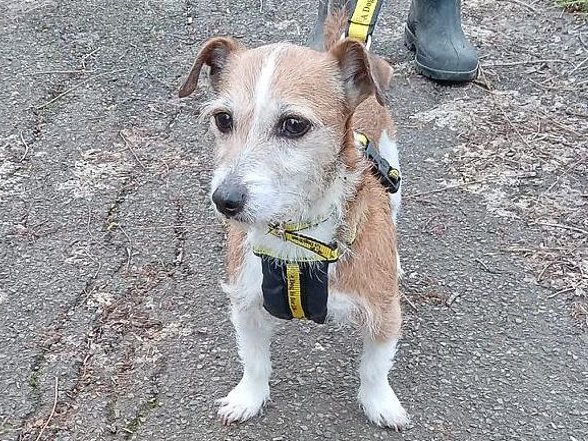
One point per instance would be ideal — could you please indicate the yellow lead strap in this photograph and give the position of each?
(363, 20)
(294, 293)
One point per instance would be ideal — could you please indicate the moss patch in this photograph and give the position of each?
(573, 5)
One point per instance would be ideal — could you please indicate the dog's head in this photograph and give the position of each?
(280, 117)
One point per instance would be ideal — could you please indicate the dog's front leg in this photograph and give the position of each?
(254, 329)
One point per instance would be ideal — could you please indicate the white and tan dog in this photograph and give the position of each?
(284, 118)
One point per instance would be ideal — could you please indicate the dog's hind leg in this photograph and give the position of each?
(254, 331)
(378, 400)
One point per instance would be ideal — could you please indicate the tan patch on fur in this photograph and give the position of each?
(235, 253)
(381, 71)
(291, 83)
(372, 119)
(334, 28)
(369, 270)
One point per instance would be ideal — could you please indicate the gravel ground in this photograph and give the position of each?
(112, 323)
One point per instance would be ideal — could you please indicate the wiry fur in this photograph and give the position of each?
(319, 176)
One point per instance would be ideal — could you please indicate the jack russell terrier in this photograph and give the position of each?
(307, 176)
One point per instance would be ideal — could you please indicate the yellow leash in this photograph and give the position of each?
(363, 20)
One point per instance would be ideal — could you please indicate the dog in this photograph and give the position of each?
(306, 214)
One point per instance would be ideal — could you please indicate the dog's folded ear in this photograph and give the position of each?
(381, 72)
(363, 74)
(215, 53)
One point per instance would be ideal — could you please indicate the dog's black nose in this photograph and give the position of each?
(230, 199)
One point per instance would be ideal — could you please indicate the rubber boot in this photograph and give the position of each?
(433, 31)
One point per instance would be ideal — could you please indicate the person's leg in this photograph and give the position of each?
(316, 39)
(433, 31)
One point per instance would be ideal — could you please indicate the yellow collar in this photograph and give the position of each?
(290, 232)
(324, 252)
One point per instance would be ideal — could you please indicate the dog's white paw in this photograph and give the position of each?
(242, 403)
(382, 408)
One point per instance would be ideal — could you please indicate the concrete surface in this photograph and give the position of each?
(112, 323)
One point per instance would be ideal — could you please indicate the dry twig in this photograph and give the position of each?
(565, 227)
(26, 146)
(129, 249)
(452, 299)
(128, 146)
(412, 305)
(482, 81)
(578, 67)
(465, 184)
(165, 227)
(77, 86)
(561, 291)
(540, 276)
(518, 63)
(449, 187)
(485, 267)
(524, 5)
(50, 72)
(561, 175)
(52, 411)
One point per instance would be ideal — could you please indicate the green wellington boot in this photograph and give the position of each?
(433, 31)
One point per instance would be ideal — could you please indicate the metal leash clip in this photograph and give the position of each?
(278, 229)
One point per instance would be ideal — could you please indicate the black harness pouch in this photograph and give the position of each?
(295, 289)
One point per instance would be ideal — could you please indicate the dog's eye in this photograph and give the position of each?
(294, 127)
(224, 121)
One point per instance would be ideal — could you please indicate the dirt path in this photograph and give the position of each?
(112, 324)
